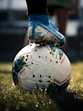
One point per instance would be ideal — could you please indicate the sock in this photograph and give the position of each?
(38, 7)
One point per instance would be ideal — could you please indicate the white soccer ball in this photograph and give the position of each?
(39, 67)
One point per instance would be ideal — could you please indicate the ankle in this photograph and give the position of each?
(41, 18)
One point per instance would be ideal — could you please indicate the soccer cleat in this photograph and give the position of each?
(41, 30)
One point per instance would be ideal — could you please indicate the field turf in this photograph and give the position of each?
(13, 99)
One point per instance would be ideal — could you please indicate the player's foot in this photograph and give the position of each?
(41, 30)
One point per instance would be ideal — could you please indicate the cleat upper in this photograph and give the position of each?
(40, 29)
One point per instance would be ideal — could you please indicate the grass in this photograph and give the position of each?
(76, 83)
(13, 99)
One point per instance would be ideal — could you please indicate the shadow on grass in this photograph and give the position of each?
(67, 101)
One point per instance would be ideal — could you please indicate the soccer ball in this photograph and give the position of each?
(37, 68)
